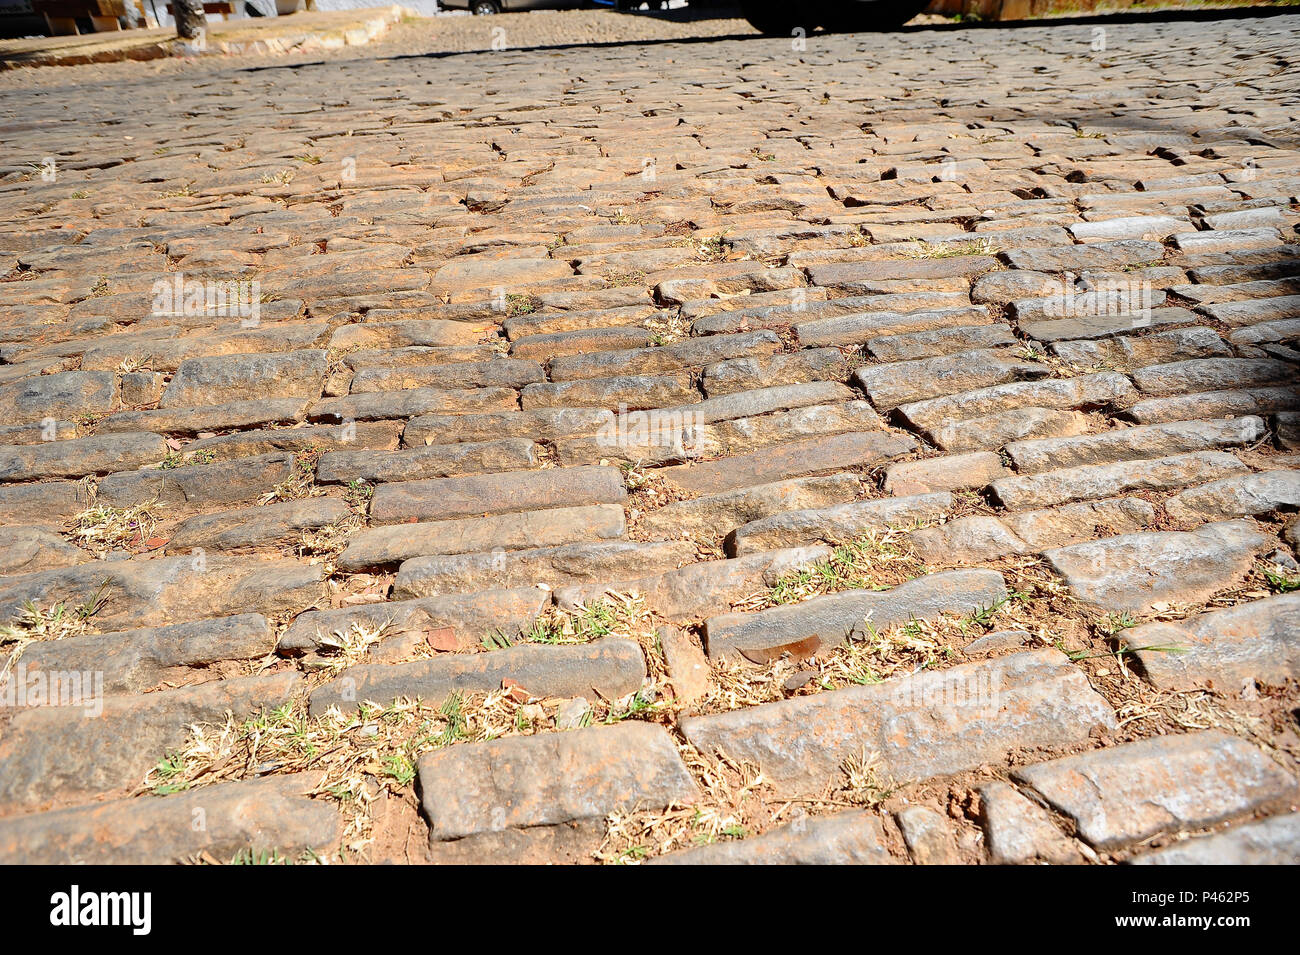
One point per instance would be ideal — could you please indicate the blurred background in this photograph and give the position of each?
(23, 18)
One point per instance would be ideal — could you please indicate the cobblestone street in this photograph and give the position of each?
(870, 448)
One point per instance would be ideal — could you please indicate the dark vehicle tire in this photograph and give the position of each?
(484, 8)
(849, 16)
(780, 17)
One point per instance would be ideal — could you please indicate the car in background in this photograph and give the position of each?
(485, 7)
(776, 17)
(783, 17)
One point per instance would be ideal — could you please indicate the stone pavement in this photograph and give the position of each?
(306, 33)
(884, 450)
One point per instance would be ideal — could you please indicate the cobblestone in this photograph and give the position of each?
(1132, 792)
(610, 421)
(922, 726)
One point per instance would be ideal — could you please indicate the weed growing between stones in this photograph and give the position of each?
(1280, 582)
(33, 624)
(728, 809)
(736, 802)
(1113, 623)
(59, 621)
(618, 615)
(863, 783)
(179, 459)
(556, 628)
(358, 494)
(102, 528)
(521, 304)
(667, 327)
(893, 652)
(620, 278)
(875, 561)
(899, 651)
(1037, 605)
(331, 540)
(625, 616)
(984, 616)
(363, 755)
(301, 483)
(341, 649)
(713, 248)
(372, 753)
(948, 250)
(265, 857)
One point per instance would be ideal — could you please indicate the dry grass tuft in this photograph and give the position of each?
(1151, 712)
(301, 483)
(340, 649)
(874, 561)
(102, 528)
(667, 327)
(736, 802)
(619, 278)
(714, 249)
(612, 615)
(33, 625)
(373, 752)
(329, 541)
(874, 657)
(948, 250)
(863, 785)
(729, 809)
(363, 755)
(896, 652)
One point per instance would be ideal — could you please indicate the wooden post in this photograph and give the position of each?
(61, 26)
(190, 22)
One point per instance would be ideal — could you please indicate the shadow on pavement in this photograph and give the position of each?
(724, 11)
(712, 12)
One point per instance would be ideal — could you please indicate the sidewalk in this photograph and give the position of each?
(301, 32)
